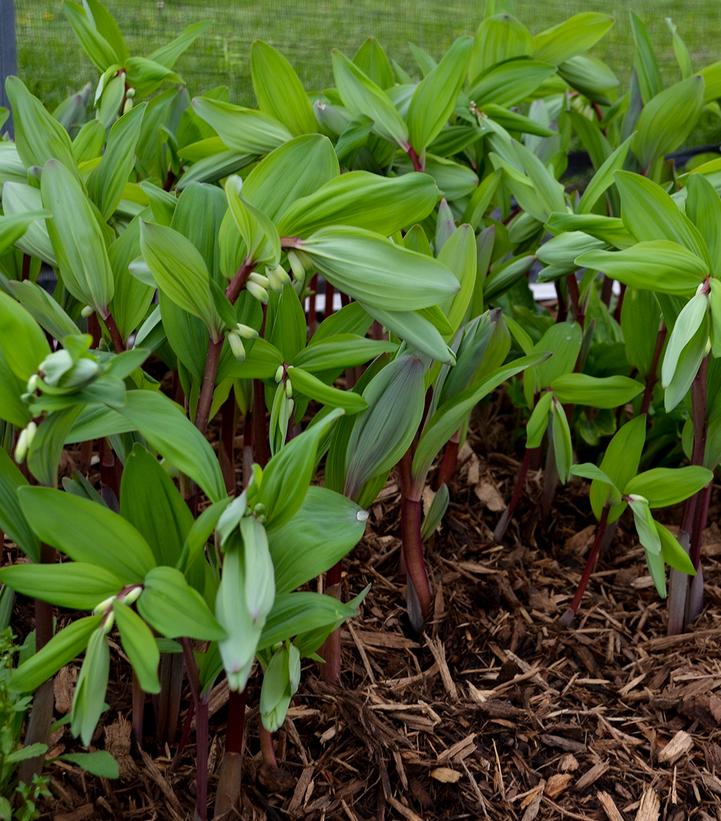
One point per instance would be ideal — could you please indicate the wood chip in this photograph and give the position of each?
(650, 807)
(557, 784)
(591, 776)
(609, 807)
(533, 803)
(445, 775)
(679, 745)
(439, 654)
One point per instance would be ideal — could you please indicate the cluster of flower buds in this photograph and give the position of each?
(281, 374)
(105, 608)
(236, 337)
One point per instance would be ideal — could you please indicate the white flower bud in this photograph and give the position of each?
(236, 345)
(288, 388)
(24, 441)
(104, 605)
(278, 277)
(279, 373)
(259, 279)
(258, 292)
(109, 622)
(87, 311)
(245, 331)
(32, 383)
(132, 595)
(296, 266)
(128, 105)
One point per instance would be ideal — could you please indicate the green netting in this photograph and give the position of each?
(50, 60)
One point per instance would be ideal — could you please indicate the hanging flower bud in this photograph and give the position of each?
(104, 605)
(245, 331)
(258, 292)
(296, 266)
(132, 595)
(87, 311)
(279, 373)
(259, 279)
(278, 277)
(24, 441)
(108, 622)
(236, 345)
(289, 389)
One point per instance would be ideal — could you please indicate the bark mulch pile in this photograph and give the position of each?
(495, 712)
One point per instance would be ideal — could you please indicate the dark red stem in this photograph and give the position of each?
(570, 614)
(449, 462)
(517, 494)
(201, 731)
(652, 375)
(414, 158)
(115, 336)
(575, 297)
(235, 728)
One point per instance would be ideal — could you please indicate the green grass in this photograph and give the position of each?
(52, 63)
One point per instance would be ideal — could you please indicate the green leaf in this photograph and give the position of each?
(645, 525)
(373, 270)
(435, 96)
(312, 387)
(243, 130)
(573, 36)
(102, 53)
(538, 421)
(175, 437)
(77, 238)
(139, 645)
(649, 213)
(181, 272)
(100, 763)
(43, 308)
(588, 470)
(12, 519)
(87, 532)
(62, 648)
(150, 501)
(499, 38)
(288, 474)
(560, 434)
(173, 608)
(715, 314)
(658, 265)
(645, 64)
(75, 585)
(619, 463)
(323, 530)
(372, 59)
(673, 553)
(89, 697)
(668, 119)
(703, 207)
(507, 84)
(685, 328)
(689, 362)
(363, 200)
(39, 137)
(596, 391)
(363, 97)
(640, 321)
(46, 449)
(108, 180)
(663, 487)
(278, 90)
(416, 329)
(340, 351)
(290, 174)
(17, 325)
(168, 54)
(604, 178)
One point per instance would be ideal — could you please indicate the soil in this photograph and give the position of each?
(495, 712)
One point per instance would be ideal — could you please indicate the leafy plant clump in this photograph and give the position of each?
(223, 328)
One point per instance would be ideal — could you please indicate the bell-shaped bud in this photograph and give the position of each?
(24, 441)
(259, 279)
(258, 292)
(132, 595)
(236, 345)
(289, 389)
(280, 684)
(278, 277)
(87, 311)
(105, 605)
(245, 331)
(296, 266)
(279, 373)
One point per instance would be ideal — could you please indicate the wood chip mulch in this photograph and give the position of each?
(495, 712)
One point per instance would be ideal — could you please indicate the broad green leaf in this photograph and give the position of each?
(538, 421)
(596, 391)
(673, 554)
(46, 449)
(703, 207)
(108, 180)
(383, 432)
(150, 501)
(459, 255)
(43, 308)
(22, 342)
(39, 137)
(288, 474)
(340, 351)
(649, 213)
(663, 487)
(181, 272)
(560, 434)
(89, 696)
(414, 328)
(363, 200)
(668, 119)
(372, 59)
(685, 328)
(373, 270)
(13, 227)
(711, 76)
(645, 525)
(261, 242)
(174, 436)
(689, 362)
(290, 174)
(175, 609)
(563, 342)
(12, 519)
(19, 199)
(658, 265)
(86, 531)
(139, 645)
(499, 38)
(167, 55)
(715, 314)
(103, 53)
(326, 528)
(640, 321)
(619, 463)
(507, 84)
(363, 97)
(62, 648)
(243, 130)
(434, 99)
(573, 36)
(278, 90)
(77, 238)
(604, 178)
(645, 64)
(75, 585)
(588, 470)
(312, 387)
(99, 762)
